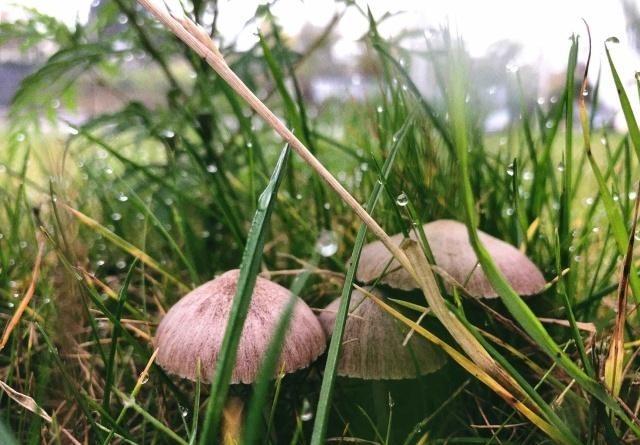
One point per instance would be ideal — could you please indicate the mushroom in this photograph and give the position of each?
(452, 252)
(193, 329)
(373, 348)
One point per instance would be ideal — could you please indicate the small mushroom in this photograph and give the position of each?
(372, 346)
(194, 327)
(452, 251)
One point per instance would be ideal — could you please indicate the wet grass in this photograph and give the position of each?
(134, 207)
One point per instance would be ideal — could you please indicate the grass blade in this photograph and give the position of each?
(328, 380)
(246, 281)
(267, 371)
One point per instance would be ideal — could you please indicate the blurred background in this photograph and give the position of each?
(503, 37)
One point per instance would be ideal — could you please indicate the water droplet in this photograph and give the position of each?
(10, 304)
(560, 166)
(121, 264)
(122, 19)
(548, 124)
(23, 244)
(379, 109)
(527, 175)
(122, 197)
(585, 93)
(184, 412)
(306, 413)
(205, 234)
(212, 168)
(509, 211)
(298, 196)
(612, 39)
(632, 197)
(541, 100)
(99, 263)
(510, 169)
(402, 200)
(327, 243)
(577, 258)
(512, 67)
(116, 216)
(588, 201)
(391, 401)
(327, 206)
(167, 133)
(20, 137)
(364, 166)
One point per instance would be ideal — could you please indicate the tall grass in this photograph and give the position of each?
(131, 208)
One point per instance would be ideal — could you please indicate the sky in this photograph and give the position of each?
(543, 27)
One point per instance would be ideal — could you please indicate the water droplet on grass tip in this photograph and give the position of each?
(510, 169)
(327, 243)
(402, 200)
(212, 168)
(560, 166)
(612, 39)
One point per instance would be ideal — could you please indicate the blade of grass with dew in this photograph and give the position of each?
(613, 211)
(142, 379)
(155, 423)
(122, 298)
(512, 301)
(253, 427)
(249, 268)
(328, 380)
(473, 370)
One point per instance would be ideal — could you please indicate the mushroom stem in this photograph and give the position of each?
(189, 32)
(232, 420)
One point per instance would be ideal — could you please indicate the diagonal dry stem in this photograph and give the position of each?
(199, 41)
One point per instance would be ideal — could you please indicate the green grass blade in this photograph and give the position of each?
(632, 124)
(248, 272)
(122, 298)
(328, 380)
(252, 427)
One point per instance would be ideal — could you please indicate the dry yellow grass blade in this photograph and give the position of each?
(458, 331)
(29, 404)
(125, 245)
(613, 366)
(199, 41)
(15, 319)
(473, 370)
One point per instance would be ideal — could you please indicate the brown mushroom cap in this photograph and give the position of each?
(194, 327)
(452, 251)
(372, 343)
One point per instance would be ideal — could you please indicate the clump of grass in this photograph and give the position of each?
(106, 227)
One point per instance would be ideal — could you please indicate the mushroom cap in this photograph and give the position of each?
(452, 251)
(194, 327)
(372, 343)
